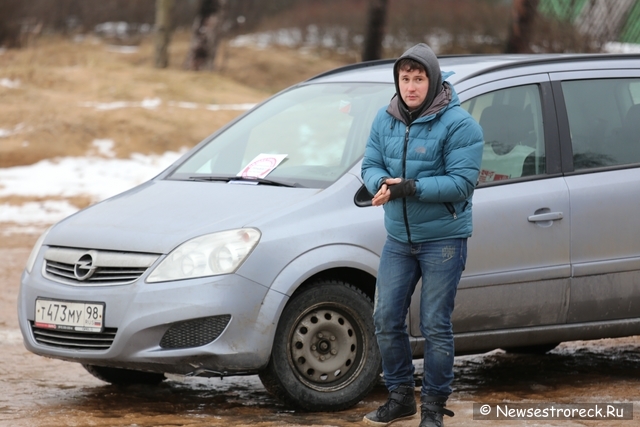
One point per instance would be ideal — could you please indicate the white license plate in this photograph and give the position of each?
(70, 316)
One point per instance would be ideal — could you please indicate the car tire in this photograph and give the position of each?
(325, 356)
(118, 376)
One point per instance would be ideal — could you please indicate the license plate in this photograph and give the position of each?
(70, 316)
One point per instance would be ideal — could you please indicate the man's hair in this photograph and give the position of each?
(408, 64)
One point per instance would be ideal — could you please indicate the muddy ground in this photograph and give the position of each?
(39, 392)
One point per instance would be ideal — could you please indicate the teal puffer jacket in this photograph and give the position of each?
(442, 151)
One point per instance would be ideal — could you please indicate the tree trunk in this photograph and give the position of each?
(11, 17)
(162, 32)
(206, 36)
(523, 16)
(372, 48)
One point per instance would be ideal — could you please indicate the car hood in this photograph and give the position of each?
(157, 216)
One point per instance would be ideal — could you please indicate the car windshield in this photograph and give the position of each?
(319, 131)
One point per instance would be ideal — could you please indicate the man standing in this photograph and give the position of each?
(422, 162)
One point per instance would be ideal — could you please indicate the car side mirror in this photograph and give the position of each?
(362, 197)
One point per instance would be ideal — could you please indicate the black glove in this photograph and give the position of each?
(383, 181)
(405, 188)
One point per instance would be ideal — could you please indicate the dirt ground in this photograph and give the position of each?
(40, 392)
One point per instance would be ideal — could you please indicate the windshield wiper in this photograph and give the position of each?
(242, 179)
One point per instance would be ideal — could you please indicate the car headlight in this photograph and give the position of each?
(209, 255)
(34, 252)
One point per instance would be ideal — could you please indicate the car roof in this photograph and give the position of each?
(468, 66)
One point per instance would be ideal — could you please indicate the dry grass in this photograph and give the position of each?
(79, 201)
(50, 114)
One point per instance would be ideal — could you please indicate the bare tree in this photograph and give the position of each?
(207, 32)
(520, 33)
(10, 16)
(163, 32)
(372, 48)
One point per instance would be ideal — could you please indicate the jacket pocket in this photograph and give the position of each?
(454, 210)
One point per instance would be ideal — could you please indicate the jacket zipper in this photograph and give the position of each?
(404, 176)
(451, 209)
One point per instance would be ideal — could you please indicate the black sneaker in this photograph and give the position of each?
(432, 410)
(401, 404)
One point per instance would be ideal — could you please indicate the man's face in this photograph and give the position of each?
(414, 86)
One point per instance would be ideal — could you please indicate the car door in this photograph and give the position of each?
(518, 265)
(601, 129)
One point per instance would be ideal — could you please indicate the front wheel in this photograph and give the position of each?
(325, 356)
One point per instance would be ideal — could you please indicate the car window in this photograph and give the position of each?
(511, 121)
(321, 128)
(604, 121)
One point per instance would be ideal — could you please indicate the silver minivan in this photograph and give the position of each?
(257, 251)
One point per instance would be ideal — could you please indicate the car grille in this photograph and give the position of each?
(81, 267)
(104, 275)
(75, 340)
(194, 333)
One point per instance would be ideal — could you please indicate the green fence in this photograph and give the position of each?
(569, 10)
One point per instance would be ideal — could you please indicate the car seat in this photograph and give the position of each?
(507, 131)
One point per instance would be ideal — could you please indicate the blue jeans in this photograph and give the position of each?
(439, 264)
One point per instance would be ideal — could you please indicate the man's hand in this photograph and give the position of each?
(404, 188)
(393, 188)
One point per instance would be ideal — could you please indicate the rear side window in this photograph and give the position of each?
(511, 121)
(604, 121)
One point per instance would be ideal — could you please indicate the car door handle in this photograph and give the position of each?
(548, 216)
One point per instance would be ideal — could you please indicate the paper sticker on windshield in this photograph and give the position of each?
(261, 165)
(345, 107)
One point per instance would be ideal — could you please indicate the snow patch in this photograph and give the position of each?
(8, 83)
(96, 177)
(104, 146)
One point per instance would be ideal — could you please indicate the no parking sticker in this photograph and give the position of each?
(261, 165)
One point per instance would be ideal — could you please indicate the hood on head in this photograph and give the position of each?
(423, 54)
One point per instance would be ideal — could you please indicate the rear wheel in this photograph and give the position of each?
(118, 376)
(324, 357)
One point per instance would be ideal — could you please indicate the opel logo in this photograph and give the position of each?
(84, 268)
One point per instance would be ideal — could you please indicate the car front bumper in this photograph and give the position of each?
(141, 314)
